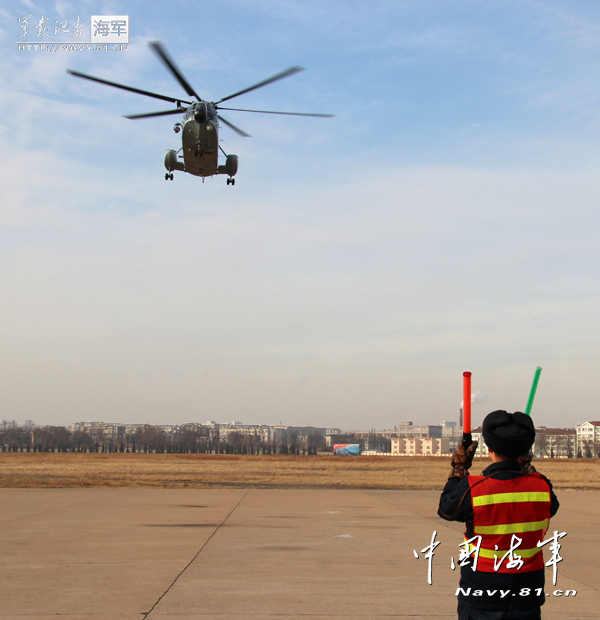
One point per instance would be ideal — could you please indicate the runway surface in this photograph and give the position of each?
(232, 554)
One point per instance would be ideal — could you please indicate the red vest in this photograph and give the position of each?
(504, 512)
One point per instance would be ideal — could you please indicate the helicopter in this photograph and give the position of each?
(199, 152)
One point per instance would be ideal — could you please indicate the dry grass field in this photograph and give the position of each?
(42, 470)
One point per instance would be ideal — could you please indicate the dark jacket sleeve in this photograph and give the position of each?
(554, 504)
(455, 503)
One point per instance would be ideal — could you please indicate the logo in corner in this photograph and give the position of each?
(109, 28)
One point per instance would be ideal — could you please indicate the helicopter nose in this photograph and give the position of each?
(200, 117)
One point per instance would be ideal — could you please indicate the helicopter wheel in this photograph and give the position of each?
(169, 176)
(230, 181)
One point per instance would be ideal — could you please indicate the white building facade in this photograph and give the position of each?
(588, 440)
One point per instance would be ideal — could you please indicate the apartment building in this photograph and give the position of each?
(588, 439)
(420, 446)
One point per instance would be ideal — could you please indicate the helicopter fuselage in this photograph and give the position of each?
(200, 139)
(200, 145)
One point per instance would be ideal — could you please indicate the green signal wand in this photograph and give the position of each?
(536, 378)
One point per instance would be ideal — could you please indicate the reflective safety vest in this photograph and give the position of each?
(510, 517)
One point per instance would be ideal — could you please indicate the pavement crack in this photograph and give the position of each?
(147, 613)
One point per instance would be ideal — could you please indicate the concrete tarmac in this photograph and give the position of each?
(232, 554)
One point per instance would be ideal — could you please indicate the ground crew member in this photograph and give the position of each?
(508, 503)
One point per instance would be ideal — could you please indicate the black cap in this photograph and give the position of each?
(508, 434)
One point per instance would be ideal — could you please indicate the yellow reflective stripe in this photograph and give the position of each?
(499, 553)
(512, 528)
(504, 498)
(522, 553)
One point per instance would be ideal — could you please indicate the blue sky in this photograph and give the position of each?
(445, 220)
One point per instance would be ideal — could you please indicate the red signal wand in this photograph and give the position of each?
(467, 439)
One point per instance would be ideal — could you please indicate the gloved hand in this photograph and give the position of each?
(525, 463)
(462, 460)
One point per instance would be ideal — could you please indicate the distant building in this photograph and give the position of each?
(453, 432)
(330, 440)
(549, 442)
(482, 449)
(420, 446)
(405, 439)
(555, 443)
(105, 431)
(408, 429)
(588, 440)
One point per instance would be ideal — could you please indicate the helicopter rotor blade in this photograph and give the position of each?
(236, 129)
(274, 78)
(139, 91)
(165, 113)
(161, 52)
(286, 113)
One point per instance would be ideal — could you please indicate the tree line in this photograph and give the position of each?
(29, 437)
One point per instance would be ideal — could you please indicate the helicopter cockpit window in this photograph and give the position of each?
(200, 115)
(202, 111)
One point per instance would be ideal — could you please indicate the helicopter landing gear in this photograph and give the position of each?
(199, 153)
(230, 181)
(169, 176)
